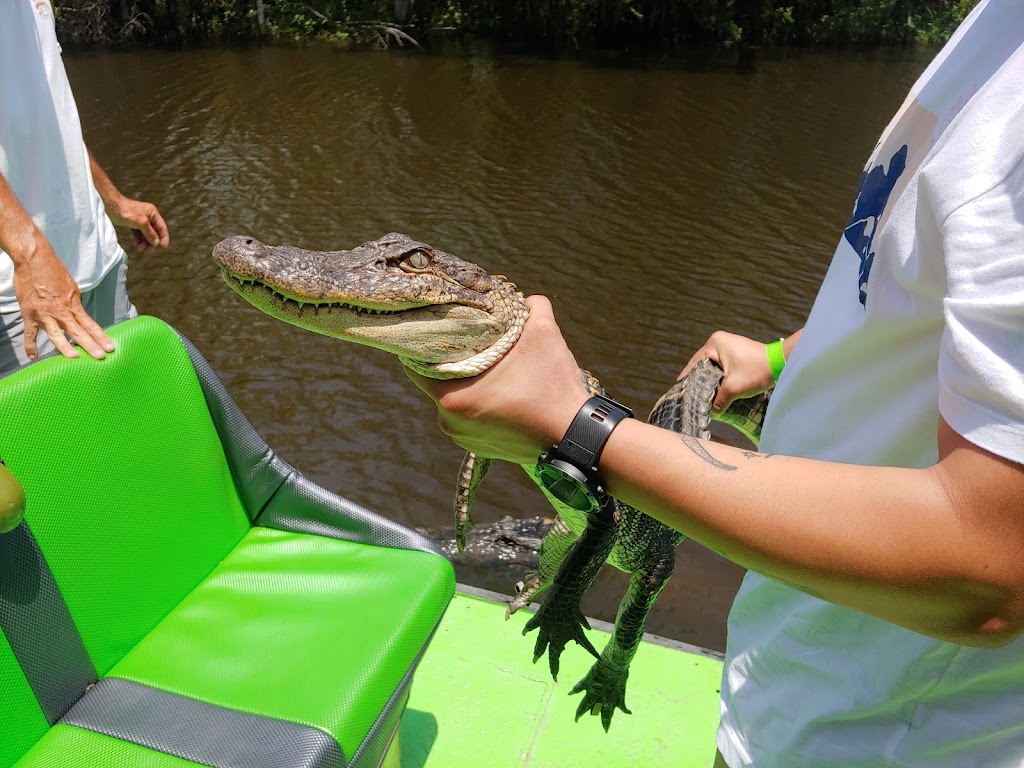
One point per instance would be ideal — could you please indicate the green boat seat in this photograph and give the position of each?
(179, 595)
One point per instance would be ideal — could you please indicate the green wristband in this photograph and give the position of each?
(776, 359)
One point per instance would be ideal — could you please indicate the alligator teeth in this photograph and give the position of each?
(317, 306)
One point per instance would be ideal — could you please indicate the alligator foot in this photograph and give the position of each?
(526, 591)
(604, 689)
(558, 625)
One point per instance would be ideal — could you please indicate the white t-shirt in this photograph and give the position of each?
(42, 154)
(921, 313)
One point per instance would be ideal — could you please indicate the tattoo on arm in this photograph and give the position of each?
(756, 455)
(694, 445)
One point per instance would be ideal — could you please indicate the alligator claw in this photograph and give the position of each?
(605, 690)
(557, 628)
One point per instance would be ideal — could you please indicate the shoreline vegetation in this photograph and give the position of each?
(639, 26)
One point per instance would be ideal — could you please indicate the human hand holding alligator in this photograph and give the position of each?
(495, 413)
(450, 323)
(743, 362)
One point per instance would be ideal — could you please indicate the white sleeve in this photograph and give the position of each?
(981, 358)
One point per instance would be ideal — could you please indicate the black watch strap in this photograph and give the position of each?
(590, 430)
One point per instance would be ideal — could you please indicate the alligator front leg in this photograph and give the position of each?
(604, 686)
(560, 618)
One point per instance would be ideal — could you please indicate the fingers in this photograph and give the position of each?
(146, 236)
(88, 334)
(50, 301)
(704, 352)
(708, 350)
(58, 339)
(163, 236)
(724, 397)
(31, 331)
(141, 243)
(149, 230)
(79, 326)
(152, 231)
(541, 306)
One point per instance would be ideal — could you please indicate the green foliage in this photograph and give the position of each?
(643, 24)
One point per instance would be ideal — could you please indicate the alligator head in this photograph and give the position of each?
(443, 316)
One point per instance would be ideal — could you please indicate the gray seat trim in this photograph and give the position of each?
(276, 495)
(203, 733)
(38, 626)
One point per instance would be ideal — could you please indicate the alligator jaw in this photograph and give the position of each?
(454, 333)
(442, 316)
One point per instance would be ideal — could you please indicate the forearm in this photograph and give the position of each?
(887, 541)
(19, 236)
(149, 229)
(109, 194)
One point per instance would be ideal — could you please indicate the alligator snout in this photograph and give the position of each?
(239, 248)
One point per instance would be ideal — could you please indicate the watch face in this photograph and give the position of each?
(567, 485)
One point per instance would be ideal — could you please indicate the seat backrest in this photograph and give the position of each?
(129, 502)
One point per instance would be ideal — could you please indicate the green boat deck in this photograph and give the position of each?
(477, 700)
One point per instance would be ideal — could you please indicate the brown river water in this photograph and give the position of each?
(653, 203)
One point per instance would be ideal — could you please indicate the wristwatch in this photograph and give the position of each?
(569, 470)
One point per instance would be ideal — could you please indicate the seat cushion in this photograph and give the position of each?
(65, 746)
(301, 628)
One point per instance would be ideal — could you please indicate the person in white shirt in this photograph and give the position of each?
(62, 272)
(882, 519)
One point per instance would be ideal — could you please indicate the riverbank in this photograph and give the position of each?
(635, 25)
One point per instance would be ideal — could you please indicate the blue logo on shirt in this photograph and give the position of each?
(875, 188)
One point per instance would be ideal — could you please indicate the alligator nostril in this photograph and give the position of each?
(248, 241)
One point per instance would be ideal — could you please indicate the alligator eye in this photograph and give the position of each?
(416, 259)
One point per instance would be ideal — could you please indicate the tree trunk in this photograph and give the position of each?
(261, 18)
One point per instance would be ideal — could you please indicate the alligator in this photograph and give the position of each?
(510, 540)
(444, 318)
